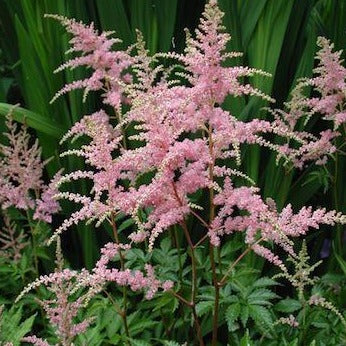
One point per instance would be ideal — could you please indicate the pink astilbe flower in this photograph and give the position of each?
(204, 58)
(329, 83)
(12, 242)
(47, 205)
(322, 302)
(21, 168)
(172, 140)
(21, 183)
(32, 339)
(107, 65)
(162, 114)
(290, 321)
(72, 290)
(63, 307)
(184, 141)
(263, 221)
(102, 275)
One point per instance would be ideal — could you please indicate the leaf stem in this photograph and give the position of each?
(194, 271)
(122, 264)
(231, 267)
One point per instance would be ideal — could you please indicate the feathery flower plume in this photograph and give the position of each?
(21, 168)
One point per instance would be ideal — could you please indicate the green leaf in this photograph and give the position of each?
(250, 14)
(171, 343)
(11, 328)
(139, 342)
(5, 84)
(230, 299)
(230, 247)
(126, 224)
(261, 316)
(244, 315)
(166, 300)
(261, 297)
(264, 282)
(31, 119)
(231, 315)
(288, 305)
(138, 327)
(113, 17)
(245, 340)
(166, 245)
(341, 262)
(204, 307)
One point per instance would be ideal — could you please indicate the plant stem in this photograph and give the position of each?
(33, 239)
(200, 219)
(175, 237)
(211, 247)
(198, 326)
(194, 271)
(122, 264)
(194, 284)
(195, 316)
(182, 299)
(121, 314)
(201, 241)
(217, 296)
(231, 267)
(193, 262)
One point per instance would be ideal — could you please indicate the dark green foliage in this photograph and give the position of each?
(12, 328)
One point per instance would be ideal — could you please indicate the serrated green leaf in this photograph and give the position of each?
(11, 328)
(244, 314)
(264, 282)
(166, 245)
(139, 326)
(230, 299)
(231, 315)
(204, 307)
(288, 305)
(166, 299)
(139, 342)
(171, 343)
(261, 296)
(261, 316)
(230, 247)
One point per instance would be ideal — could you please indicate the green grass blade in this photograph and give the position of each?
(32, 119)
(164, 23)
(113, 16)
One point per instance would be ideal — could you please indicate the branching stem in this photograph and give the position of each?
(122, 264)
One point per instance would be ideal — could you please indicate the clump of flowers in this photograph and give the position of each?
(12, 242)
(21, 183)
(21, 168)
(72, 290)
(330, 88)
(185, 143)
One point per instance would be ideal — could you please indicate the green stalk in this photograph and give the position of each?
(122, 264)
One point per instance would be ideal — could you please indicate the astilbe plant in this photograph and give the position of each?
(12, 242)
(185, 143)
(21, 183)
(302, 280)
(22, 189)
(21, 168)
(329, 102)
